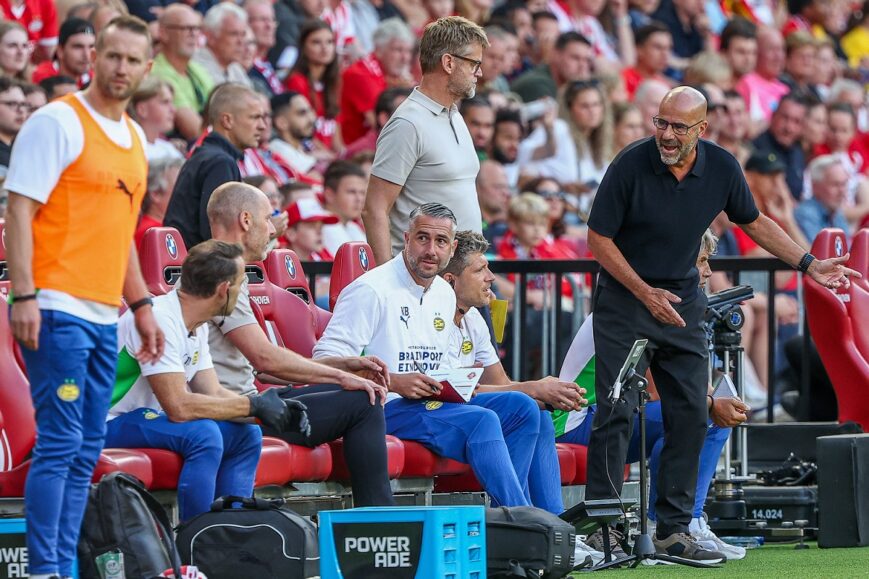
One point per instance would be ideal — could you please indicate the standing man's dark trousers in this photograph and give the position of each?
(678, 361)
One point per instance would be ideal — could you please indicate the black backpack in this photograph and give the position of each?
(260, 539)
(528, 542)
(122, 516)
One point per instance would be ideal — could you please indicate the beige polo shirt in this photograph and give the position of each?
(427, 148)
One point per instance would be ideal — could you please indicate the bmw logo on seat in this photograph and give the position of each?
(171, 246)
(291, 266)
(840, 247)
(363, 258)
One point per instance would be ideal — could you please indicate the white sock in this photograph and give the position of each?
(695, 525)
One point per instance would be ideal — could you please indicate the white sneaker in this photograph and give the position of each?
(582, 552)
(699, 529)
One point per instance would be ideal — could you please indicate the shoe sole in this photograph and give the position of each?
(708, 562)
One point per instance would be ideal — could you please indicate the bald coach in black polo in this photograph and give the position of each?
(656, 200)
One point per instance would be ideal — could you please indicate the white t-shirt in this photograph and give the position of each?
(48, 143)
(337, 234)
(471, 344)
(161, 149)
(385, 313)
(562, 166)
(298, 159)
(183, 353)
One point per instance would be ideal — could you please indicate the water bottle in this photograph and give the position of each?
(111, 565)
(744, 542)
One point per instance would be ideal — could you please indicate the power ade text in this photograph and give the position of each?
(13, 561)
(389, 552)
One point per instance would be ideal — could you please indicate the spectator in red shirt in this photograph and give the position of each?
(804, 14)
(386, 104)
(654, 43)
(73, 55)
(316, 76)
(15, 51)
(841, 141)
(162, 174)
(364, 80)
(39, 18)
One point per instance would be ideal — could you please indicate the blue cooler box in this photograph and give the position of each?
(403, 543)
(13, 550)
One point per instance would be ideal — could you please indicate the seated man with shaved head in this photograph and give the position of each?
(237, 118)
(655, 202)
(345, 396)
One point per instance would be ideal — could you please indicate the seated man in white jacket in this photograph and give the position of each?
(402, 312)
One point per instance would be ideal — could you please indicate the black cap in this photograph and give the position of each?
(765, 163)
(72, 26)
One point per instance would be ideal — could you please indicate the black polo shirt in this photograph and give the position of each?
(657, 222)
(214, 163)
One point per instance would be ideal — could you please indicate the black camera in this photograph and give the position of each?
(724, 317)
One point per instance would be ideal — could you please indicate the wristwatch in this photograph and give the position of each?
(146, 301)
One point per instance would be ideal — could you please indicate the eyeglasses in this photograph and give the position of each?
(477, 63)
(192, 29)
(552, 194)
(678, 128)
(20, 105)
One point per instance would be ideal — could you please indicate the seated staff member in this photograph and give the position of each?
(575, 426)
(177, 403)
(399, 312)
(343, 398)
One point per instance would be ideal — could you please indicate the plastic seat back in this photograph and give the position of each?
(352, 260)
(18, 434)
(285, 271)
(286, 315)
(161, 254)
(860, 255)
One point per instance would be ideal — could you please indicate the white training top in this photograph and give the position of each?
(183, 353)
(385, 313)
(470, 343)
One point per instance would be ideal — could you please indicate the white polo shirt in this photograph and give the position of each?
(427, 149)
(470, 343)
(385, 313)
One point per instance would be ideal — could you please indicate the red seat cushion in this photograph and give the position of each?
(274, 466)
(165, 467)
(420, 462)
(566, 464)
(125, 460)
(310, 464)
(580, 455)
(395, 457)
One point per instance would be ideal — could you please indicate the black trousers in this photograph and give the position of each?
(333, 413)
(677, 358)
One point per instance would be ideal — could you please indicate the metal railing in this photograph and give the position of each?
(556, 270)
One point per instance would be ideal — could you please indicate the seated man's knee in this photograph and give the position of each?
(202, 437)
(524, 406)
(487, 427)
(250, 437)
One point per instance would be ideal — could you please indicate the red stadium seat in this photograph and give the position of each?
(394, 458)
(274, 466)
(284, 313)
(860, 255)
(310, 464)
(352, 260)
(161, 254)
(285, 271)
(420, 462)
(833, 331)
(466, 482)
(859, 313)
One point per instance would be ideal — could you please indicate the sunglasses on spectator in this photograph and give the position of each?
(20, 105)
(552, 194)
(678, 128)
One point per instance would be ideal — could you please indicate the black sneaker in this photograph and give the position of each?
(595, 541)
(684, 546)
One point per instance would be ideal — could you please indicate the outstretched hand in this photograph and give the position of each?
(832, 273)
